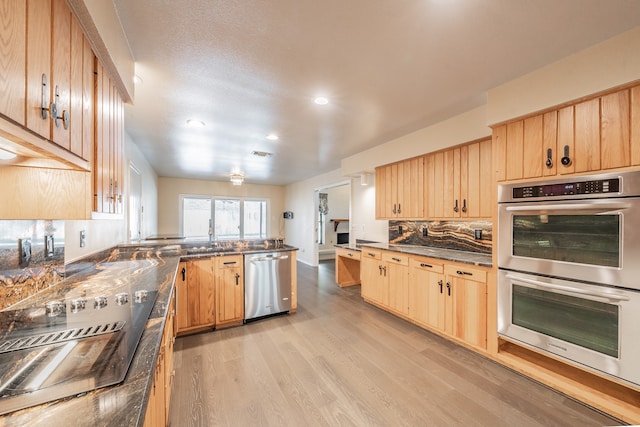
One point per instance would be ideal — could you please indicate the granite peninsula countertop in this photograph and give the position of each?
(465, 257)
(125, 404)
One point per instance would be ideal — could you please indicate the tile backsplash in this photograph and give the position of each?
(21, 280)
(459, 235)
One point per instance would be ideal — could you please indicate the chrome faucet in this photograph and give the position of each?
(210, 231)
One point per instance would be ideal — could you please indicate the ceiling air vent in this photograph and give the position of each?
(261, 153)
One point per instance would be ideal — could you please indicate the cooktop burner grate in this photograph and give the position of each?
(60, 336)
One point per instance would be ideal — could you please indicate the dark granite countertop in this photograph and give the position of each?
(123, 404)
(465, 257)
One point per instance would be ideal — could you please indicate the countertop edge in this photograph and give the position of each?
(471, 258)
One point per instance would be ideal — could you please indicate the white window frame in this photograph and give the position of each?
(213, 199)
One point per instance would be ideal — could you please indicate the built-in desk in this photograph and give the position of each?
(347, 266)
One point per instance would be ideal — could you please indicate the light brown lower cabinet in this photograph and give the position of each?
(448, 298)
(229, 290)
(210, 293)
(385, 280)
(195, 295)
(157, 413)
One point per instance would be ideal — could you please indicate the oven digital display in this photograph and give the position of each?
(568, 189)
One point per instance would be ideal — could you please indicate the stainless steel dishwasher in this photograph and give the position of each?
(267, 286)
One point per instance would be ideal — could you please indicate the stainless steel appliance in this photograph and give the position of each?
(568, 285)
(74, 342)
(267, 288)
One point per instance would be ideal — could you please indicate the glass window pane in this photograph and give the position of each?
(255, 219)
(584, 239)
(589, 324)
(227, 219)
(196, 213)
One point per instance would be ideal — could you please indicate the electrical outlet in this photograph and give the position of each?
(477, 234)
(425, 231)
(399, 229)
(83, 238)
(24, 249)
(49, 249)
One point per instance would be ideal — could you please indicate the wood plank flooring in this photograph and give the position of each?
(341, 362)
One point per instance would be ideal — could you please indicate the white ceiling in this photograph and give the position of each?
(248, 68)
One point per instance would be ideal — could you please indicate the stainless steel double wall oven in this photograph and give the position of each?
(569, 270)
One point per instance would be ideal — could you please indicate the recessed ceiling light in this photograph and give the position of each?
(195, 123)
(321, 100)
(272, 137)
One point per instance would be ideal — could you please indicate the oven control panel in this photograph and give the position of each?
(568, 188)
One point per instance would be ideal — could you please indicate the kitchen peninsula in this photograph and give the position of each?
(148, 269)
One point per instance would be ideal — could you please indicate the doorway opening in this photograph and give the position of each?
(333, 211)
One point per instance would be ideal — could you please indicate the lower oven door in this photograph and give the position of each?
(589, 325)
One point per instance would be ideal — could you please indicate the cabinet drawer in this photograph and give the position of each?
(426, 264)
(371, 253)
(230, 261)
(347, 253)
(396, 258)
(470, 273)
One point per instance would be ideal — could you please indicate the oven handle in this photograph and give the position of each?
(568, 289)
(602, 208)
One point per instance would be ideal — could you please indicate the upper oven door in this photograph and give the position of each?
(596, 240)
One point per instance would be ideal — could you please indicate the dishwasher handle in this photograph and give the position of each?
(268, 258)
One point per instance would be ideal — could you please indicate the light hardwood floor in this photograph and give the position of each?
(341, 362)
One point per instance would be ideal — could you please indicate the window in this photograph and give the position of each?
(224, 218)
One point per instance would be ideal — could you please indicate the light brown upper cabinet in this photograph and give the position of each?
(13, 61)
(109, 146)
(589, 136)
(458, 182)
(399, 189)
(45, 83)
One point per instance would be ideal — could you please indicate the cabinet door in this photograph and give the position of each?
(435, 172)
(426, 283)
(397, 182)
(411, 194)
(514, 146)
(182, 298)
(372, 278)
(13, 39)
(39, 63)
(549, 143)
(451, 184)
(61, 70)
(200, 292)
(466, 304)
(467, 310)
(76, 88)
(533, 149)
(396, 291)
(229, 289)
(587, 136)
(615, 150)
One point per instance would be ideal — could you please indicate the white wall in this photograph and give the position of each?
(611, 63)
(364, 224)
(465, 127)
(299, 198)
(111, 230)
(170, 189)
